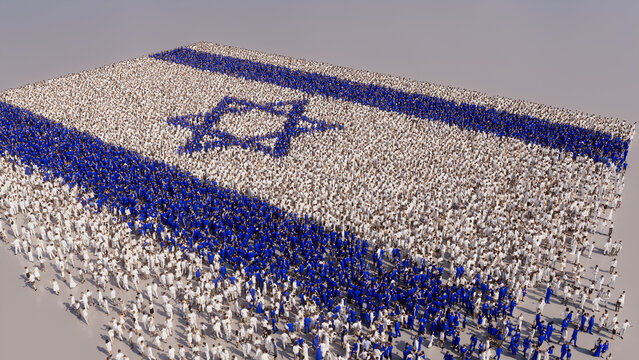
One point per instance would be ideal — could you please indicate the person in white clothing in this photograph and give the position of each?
(624, 327)
(109, 347)
(119, 355)
(149, 353)
(72, 283)
(55, 287)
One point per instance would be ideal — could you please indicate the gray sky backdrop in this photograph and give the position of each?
(580, 55)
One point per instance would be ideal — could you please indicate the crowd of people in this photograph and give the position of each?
(273, 276)
(600, 146)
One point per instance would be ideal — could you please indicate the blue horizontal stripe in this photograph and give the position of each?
(599, 146)
(205, 218)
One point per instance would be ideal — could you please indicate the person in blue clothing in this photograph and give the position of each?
(456, 341)
(389, 350)
(526, 344)
(565, 323)
(573, 337)
(307, 324)
(541, 338)
(511, 306)
(463, 350)
(535, 354)
(582, 323)
(407, 350)
(549, 329)
(500, 337)
(473, 342)
(514, 344)
(596, 350)
(549, 292)
(564, 350)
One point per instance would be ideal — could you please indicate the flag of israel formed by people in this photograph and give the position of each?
(368, 192)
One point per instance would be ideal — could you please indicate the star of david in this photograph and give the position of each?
(207, 135)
